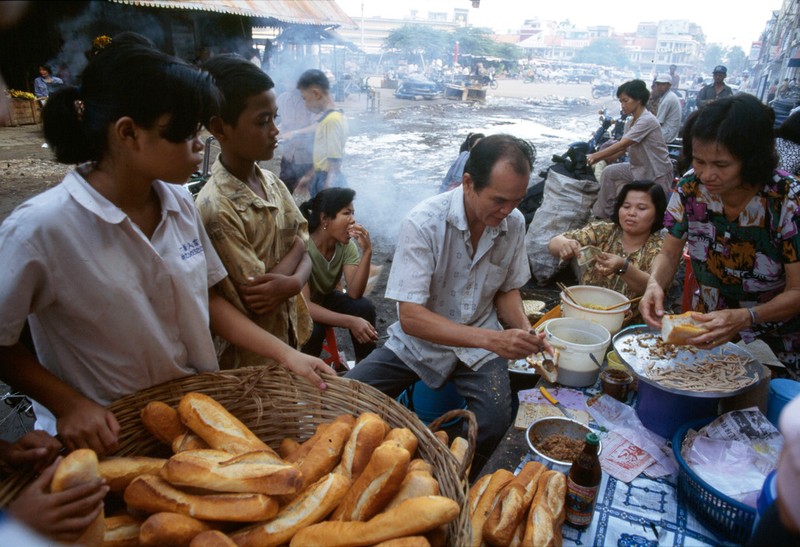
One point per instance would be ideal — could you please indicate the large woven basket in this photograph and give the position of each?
(275, 405)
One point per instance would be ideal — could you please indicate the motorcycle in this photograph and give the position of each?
(488, 80)
(603, 88)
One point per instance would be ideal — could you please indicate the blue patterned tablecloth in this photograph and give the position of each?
(643, 513)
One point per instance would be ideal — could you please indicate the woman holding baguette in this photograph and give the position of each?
(740, 221)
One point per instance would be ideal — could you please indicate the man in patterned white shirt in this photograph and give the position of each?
(458, 266)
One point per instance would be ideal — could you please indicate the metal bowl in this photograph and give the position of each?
(555, 425)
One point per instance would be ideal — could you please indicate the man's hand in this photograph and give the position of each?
(267, 291)
(519, 343)
(35, 449)
(88, 425)
(61, 516)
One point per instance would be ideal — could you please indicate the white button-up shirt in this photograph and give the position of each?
(435, 265)
(111, 311)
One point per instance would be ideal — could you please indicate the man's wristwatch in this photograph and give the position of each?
(624, 267)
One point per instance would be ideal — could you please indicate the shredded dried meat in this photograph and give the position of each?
(725, 372)
(559, 447)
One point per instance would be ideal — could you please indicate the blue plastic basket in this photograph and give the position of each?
(719, 513)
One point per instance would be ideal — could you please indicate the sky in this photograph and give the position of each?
(725, 22)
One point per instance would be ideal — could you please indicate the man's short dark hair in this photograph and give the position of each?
(520, 154)
(313, 77)
(237, 79)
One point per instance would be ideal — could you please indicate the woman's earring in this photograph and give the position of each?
(324, 226)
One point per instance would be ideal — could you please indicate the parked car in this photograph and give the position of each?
(417, 86)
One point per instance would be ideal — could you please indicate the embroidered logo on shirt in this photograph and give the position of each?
(191, 248)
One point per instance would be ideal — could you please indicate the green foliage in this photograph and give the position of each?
(603, 51)
(413, 40)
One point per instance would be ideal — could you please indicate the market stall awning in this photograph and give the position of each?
(272, 13)
(314, 35)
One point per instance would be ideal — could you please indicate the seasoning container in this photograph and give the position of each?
(616, 382)
(583, 483)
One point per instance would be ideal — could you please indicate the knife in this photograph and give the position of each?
(559, 406)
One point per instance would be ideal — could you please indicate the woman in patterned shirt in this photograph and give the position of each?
(741, 220)
(629, 243)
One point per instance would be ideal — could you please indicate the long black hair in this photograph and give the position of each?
(657, 195)
(329, 201)
(127, 78)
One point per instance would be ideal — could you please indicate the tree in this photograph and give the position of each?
(714, 56)
(413, 41)
(603, 51)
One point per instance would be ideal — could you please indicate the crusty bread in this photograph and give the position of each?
(415, 484)
(367, 434)
(220, 471)
(476, 491)
(540, 529)
(162, 421)
(121, 531)
(120, 471)
(499, 479)
(412, 517)
(216, 426)
(79, 467)
(188, 440)
(325, 454)
(377, 485)
(678, 329)
(513, 503)
(173, 529)
(408, 541)
(153, 494)
(212, 538)
(405, 438)
(313, 505)
(459, 448)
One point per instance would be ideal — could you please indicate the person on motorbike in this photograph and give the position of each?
(644, 142)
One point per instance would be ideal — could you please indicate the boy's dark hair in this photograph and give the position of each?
(127, 78)
(657, 195)
(482, 158)
(636, 90)
(329, 201)
(744, 126)
(237, 79)
(313, 77)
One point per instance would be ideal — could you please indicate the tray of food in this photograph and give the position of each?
(723, 371)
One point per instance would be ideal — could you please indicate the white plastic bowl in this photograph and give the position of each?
(600, 296)
(577, 341)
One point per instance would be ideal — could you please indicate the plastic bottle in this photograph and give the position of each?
(583, 482)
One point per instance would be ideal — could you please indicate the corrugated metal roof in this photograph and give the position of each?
(269, 12)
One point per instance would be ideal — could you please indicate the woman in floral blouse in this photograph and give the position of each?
(740, 219)
(629, 243)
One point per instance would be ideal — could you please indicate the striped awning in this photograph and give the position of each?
(267, 12)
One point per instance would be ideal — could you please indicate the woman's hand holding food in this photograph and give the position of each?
(362, 330)
(361, 235)
(723, 326)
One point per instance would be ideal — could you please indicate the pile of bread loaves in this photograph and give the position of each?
(522, 510)
(354, 482)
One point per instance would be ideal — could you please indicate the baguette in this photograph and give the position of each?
(418, 464)
(540, 529)
(153, 494)
(219, 471)
(313, 505)
(287, 447)
(305, 447)
(188, 441)
(376, 486)
(368, 433)
(121, 531)
(554, 496)
(80, 467)
(216, 426)
(476, 491)
(405, 438)
(325, 453)
(118, 472)
(442, 436)
(415, 484)
(498, 480)
(459, 448)
(513, 504)
(412, 517)
(678, 329)
(173, 529)
(162, 421)
(408, 541)
(211, 538)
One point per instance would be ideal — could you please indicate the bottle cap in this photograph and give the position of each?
(591, 438)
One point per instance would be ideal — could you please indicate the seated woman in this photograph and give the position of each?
(333, 251)
(629, 243)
